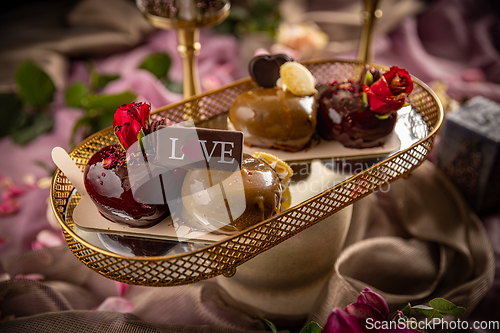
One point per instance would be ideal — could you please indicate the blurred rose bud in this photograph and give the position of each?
(305, 38)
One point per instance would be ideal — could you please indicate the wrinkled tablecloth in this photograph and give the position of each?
(415, 242)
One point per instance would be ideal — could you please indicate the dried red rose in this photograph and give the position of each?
(388, 94)
(129, 121)
(137, 111)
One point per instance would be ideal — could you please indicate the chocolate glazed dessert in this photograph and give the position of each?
(362, 113)
(140, 200)
(274, 118)
(256, 195)
(280, 113)
(263, 192)
(106, 178)
(344, 117)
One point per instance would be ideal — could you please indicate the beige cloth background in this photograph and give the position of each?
(415, 242)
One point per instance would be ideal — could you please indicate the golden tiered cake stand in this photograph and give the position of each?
(420, 124)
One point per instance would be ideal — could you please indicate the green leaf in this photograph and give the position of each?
(382, 116)
(12, 115)
(368, 78)
(108, 102)
(406, 310)
(270, 324)
(38, 124)
(428, 311)
(100, 112)
(158, 64)
(99, 81)
(444, 306)
(35, 86)
(263, 7)
(312, 327)
(365, 98)
(421, 307)
(237, 14)
(265, 16)
(74, 95)
(175, 87)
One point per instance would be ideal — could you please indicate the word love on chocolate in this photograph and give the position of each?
(193, 148)
(161, 158)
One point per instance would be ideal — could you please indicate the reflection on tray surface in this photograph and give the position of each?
(144, 247)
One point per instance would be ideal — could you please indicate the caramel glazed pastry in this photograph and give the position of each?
(225, 202)
(281, 113)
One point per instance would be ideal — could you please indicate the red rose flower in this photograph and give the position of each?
(388, 94)
(130, 121)
(137, 111)
(128, 133)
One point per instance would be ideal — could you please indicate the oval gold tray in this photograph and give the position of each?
(223, 257)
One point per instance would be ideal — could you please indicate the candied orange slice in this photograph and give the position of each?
(283, 170)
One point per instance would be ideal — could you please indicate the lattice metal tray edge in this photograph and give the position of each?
(223, 257)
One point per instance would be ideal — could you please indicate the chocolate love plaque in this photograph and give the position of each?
(193, 148)
(155, 176)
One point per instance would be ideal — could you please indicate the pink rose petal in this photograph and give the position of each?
(371, 298)
(121, 287)
(363, 311)
(260, 51)
(34, 276)
(29, 180)
(473, 75)
(341, 322)
(210, 82)
(16, 190)
(116, 304)
(6, 195)
(47, 238)
(9, 207)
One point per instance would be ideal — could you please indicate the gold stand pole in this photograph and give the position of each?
(188, 35)
(189, 48)
(369, 14)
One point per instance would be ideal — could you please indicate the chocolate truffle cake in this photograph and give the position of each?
(362, 113)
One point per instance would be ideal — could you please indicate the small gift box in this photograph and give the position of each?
(469, 153)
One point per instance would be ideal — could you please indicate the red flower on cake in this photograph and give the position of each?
(388, 94)
(130, 121)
